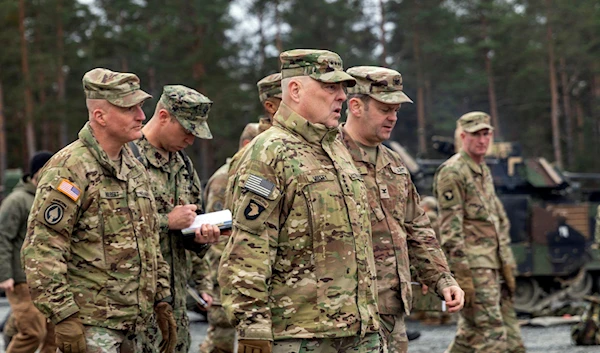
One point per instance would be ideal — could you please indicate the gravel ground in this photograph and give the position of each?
(557, 339)
(435, 339)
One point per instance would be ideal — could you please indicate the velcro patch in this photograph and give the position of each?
(69, 189)
(259, 186)
(54, 213)
(253, 210)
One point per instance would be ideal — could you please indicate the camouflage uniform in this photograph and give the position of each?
(91, 248)
(299, 267)
(92, 243)
(172, 185)
(402, 235)
(220, 335)
(474, 230)
(30, 327)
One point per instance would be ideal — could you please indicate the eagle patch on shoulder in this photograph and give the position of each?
(253, 210)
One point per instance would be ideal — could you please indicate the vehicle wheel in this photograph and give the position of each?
(584, 287)
(527, 294)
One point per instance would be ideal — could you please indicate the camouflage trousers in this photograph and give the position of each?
(105, 340)
(394, 333)
(490, 325)
(371, 343)
(220, 336)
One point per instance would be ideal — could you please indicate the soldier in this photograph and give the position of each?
(180, 116)
(220, 335)
(298, 272)
(474, 231)
(31, 326)
(402, 234)
(91, 254)
(269, 93)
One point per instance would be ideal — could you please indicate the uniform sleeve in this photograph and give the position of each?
(12, 216)
(423, 248)
(46, 248)
(246, 264)
(163, 271)
(449, 192)
(506, 254)
(214, 195)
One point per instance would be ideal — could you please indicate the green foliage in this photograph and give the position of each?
(204, 45)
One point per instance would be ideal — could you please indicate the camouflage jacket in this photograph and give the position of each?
(214, 195)
(172, 185)
(299, 263)
(402, 235)
(474, 228)
(13, 227)
(92, 240)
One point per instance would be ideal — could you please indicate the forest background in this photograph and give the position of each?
(534, 65)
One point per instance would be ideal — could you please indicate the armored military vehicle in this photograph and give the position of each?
(551, 228)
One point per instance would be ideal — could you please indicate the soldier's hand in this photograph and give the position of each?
(208, 299)
(70, 335)
(207, 234)
(254, 346)
(424, 289)
(509, 279)
(8, 285)
(454, 297)
(182, 217)
(168, 327)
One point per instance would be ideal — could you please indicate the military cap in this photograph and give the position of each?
(474, 121)
(269, 86)
(321, 65)
(189, 107)
(379, 83)
(118, 88)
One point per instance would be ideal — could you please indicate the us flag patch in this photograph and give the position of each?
(259, 186)
(69, 189)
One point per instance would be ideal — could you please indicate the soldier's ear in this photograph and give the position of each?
(163, 116)
(355, 106)
(295, 87)
(99, 116)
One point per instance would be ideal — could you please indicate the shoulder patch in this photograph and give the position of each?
(69, 189)
(253, 210)
(54, 213)
(259, 186)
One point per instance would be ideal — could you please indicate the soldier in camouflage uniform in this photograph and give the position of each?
(91, 254)
(179, 117)
(402, 234)
(474, 230)
(31, 325)
(220, 335)
(298, 273)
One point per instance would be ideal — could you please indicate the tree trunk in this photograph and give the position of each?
(382, 34)
(29, 133)
(580, 123)
(421, 129)
(60, 76)
(553, 90)
(3, 155)
(490, 76)
(566, 98)
(278, 41)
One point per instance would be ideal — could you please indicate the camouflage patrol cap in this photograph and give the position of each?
(379, 83)
(269, 86)
(321, 65)
(118, 88)
(474, 121)
(189, 107)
